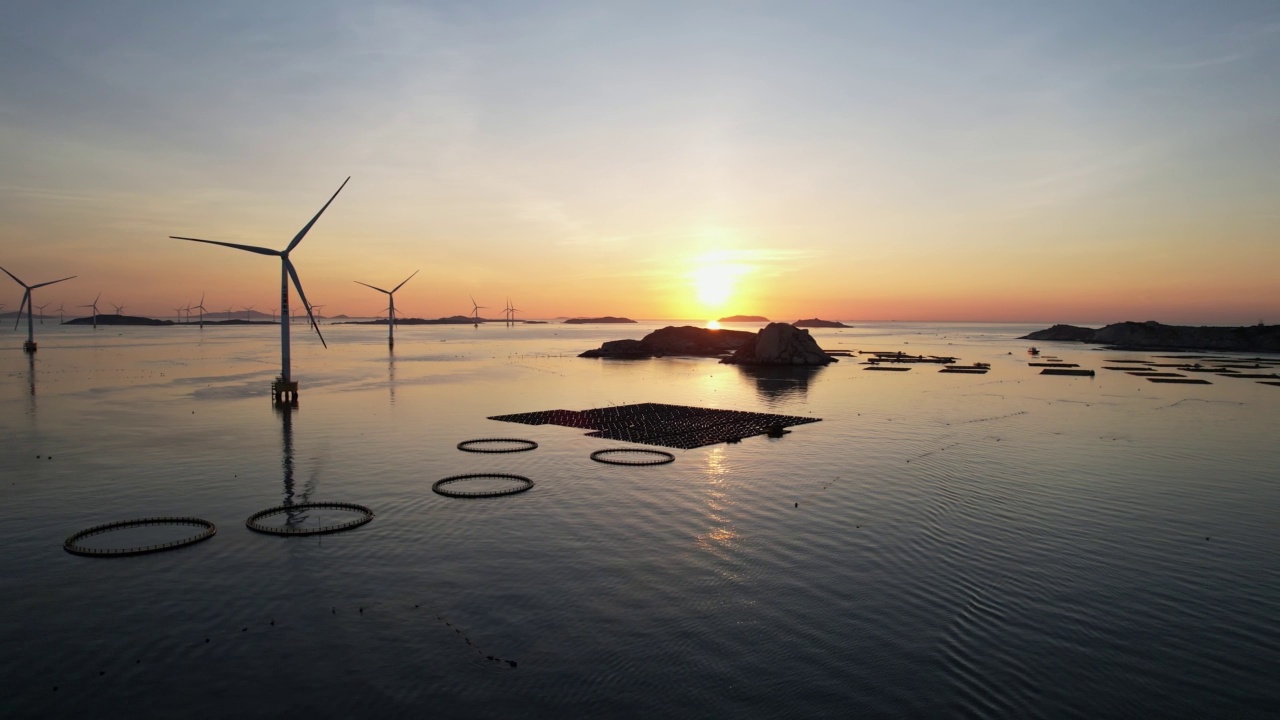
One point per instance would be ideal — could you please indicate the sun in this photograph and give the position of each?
(714, 285)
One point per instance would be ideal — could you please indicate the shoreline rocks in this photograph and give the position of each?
(673, 340)
(780, 344)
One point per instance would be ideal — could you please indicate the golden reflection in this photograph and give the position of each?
(721, 536)
(713, 324)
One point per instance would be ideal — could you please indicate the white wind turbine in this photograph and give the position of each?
(199, 307)
(41, 309)
(59, 313)
(30, 344)
(178, 311)
(94, 305)
(475, 311)
(285, 385)
(391, 316)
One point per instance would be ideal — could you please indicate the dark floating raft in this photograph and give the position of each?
(1140, 362)
(1155, 374)
(1264, 382)
(1054, 364)
(1252, 376)
(891, 369)
(965, 370)
(674, 426)
(1066, 371)
(1179, 380)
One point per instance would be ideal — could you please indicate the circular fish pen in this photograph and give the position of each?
(71, 544)
(365, 515)
(440, 487)
(614, 456)
(486, 445)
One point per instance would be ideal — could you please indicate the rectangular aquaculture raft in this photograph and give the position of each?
(673, 426)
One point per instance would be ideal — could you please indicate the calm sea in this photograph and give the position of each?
(1000, 545)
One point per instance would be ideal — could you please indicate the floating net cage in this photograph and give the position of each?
(253, 523)
(674, 426)
(454, 485)
(632, 456)
(497, 445)
(73, 546)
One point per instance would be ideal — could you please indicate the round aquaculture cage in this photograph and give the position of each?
(442, 487)
(364, 516)
(497, 445)
(628, 456)
(73, 546)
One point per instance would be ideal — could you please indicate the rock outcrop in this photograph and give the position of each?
(780, 344)
(684, 340)
(816, 323)
(1155, 336)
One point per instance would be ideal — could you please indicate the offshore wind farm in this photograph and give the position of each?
(853, 361)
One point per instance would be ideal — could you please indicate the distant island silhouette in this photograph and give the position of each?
(1151, 335)
(122, 320)
(451, 320)
(672, 340)
(816, 323)
(605, 319)
(744, 318)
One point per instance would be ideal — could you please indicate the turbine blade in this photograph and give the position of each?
(15, 277)
(298, 238)
(293, 275)
(95, 300)
(250, 248)
(26, 298)
(33, 287)
(375, 288)
(415, 272)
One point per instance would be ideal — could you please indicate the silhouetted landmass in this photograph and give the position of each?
(606, 319)
(780, 344)
(121, 320)
(743, 318)
(816, 323)
(451, 320)
(1152, 335)
(683, 340)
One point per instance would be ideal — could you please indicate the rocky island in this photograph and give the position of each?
(683, 340)
(1152, 335)
(780, 344)
(592, 321)
(816, 323)
(451, 320)
(744, 318)
(120, 320)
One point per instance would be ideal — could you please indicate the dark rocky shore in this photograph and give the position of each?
(1152, 335)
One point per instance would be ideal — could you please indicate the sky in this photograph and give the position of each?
(1030, 162)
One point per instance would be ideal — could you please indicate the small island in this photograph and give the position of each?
(592, 321)
(672, 340)
(451, 320)
(816, 323)
(120, 320)
(1151, 335)
(743, 319)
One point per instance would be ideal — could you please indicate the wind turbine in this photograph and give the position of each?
(178, 311)
(30, 344)
(199, 307)
(391, 316)
(475, 311)
(41, 309)
(284, 388)
(93, 305)
(60, 313)
(246, 312)
(513, 310)
(228, 312)
(119, 308)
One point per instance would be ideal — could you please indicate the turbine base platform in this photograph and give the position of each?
(284, 392)
(28, 346)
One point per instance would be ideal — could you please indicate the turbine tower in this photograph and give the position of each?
(475, 311)
(284, 389)
(94, 305)
(391, 317)
(30, 344)
(59, 313)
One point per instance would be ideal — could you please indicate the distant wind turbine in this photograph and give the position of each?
(475, 311)
(285, 386)
(178, 311)
(119, 308)
(59, 313)
(247, 310)
(94, 305)
(199, 307)
(30, 344)
(391, 311)
(41, 309)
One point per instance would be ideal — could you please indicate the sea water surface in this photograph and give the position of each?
(1000, 545)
